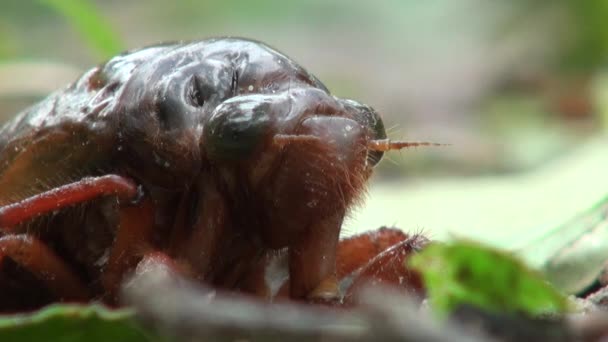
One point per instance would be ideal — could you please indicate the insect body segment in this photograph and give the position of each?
(207, 156)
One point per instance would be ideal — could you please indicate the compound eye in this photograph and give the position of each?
(198, 92)
(375, 124)
(235, 130)
(369, 118)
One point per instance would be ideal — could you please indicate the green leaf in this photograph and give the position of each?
(575, 253)
(83, 15)
(465, 272)
(66, 323)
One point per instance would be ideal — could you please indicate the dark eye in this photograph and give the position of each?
(235, 130)
(197, 92)
(369, 118)
(374, 122)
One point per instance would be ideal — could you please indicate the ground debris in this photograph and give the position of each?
(182, 311)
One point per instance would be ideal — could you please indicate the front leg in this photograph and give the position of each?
(132, 241)
(199, 232)
(312, 261)
(42, 262)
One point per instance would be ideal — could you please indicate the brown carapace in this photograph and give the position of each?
(223, 159)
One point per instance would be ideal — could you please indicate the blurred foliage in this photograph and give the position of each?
(82, 15)
(70, 323)
(85, 19)
(7, 44)
(213, 12)
(464, 272)
(575, 253)
(601, 99)
(589, 48)
(579, 30)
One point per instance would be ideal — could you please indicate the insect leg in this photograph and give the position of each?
(132, 241)
(66, 195)
(312, 262)
(200, 233)
(374, 256)
(34, 256)
(389, 267)
(356, 251)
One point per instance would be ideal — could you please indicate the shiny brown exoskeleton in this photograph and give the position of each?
(207, 156)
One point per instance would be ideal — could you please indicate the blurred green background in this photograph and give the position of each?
(518, 89)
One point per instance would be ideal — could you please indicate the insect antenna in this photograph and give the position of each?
(383, 145)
